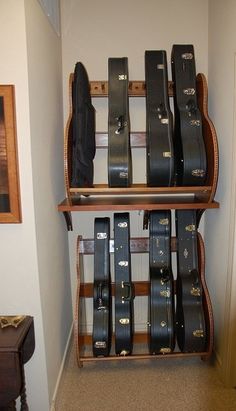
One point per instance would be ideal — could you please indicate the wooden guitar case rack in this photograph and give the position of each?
(141, 288)
(101, 197)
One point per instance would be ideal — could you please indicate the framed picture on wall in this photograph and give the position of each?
(10, 209)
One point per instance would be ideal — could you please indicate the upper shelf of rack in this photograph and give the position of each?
(140, 196)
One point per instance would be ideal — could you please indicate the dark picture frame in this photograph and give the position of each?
(10, 206)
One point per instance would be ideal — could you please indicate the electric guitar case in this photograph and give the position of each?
(102, 300)
(191, 161)
(159, 121)
(83, 130)
(123, 285)
(119, 151)
(161, 301)
(190, 320)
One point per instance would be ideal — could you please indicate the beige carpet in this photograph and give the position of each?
(178, 384)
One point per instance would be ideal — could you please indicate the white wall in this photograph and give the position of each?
(34, 267)
(220, 224)
(19, 292)
(46, 122)
(34, 254)
(92, 32)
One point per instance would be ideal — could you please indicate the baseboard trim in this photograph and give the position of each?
(218, 361)
(52, 407)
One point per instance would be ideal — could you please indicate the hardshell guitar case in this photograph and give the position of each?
(102, 300)
(161, 301)
(159, 121)
(190, 319)
(119, 151)
(123, 285)
(190, 153)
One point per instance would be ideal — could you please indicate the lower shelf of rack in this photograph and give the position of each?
(202, 355)
(139, 338)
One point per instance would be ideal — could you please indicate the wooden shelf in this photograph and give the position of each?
(139, 338)
(125, 203)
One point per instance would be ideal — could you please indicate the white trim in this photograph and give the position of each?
(229, 312)
(52, 408)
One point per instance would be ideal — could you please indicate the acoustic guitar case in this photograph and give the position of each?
(191, 161)
(161, 301)
(119, 151)
(190, 320)
(123, 285)
(102, 300)
(159, 121)
(83, 130)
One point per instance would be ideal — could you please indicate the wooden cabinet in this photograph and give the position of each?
(17, 345)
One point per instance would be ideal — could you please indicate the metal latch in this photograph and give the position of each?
(198, 333)
(189, 91)
(165, 293)
(195, 291)
(122, 77)
(198, 173)
(185, 253)
(100, 344)
(195, 123)
(123, 174)
(124, 352)
(165, 350)
(124, 321)
(166, 154)
(123, 263)
(122, 225)
(190, 227)
(164, 221)
(120, 124)
(101, 236)
(187, 56)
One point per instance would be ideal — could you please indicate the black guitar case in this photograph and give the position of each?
(102, 300)
(191, 161)
(83, 130)
(161, 301)
(123, 285)
(119, 151)
(159, 121)
(190, 320)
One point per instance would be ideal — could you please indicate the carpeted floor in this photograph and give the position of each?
(180, 384)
